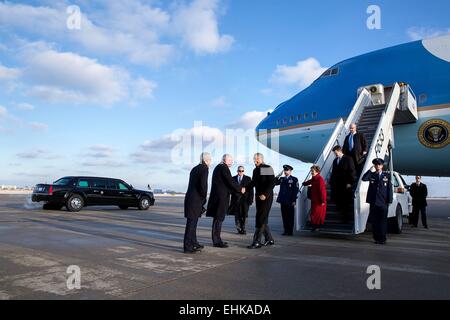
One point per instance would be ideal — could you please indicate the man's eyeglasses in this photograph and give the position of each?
(240, 170)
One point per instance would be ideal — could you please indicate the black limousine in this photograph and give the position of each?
(77, 192)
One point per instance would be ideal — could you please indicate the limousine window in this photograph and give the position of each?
(83, 184)
(62, 182)
(98, 183)
(116, 185)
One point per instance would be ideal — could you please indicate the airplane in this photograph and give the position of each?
(305, 122)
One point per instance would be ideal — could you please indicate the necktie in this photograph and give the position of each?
(239, 179)
(350, 142)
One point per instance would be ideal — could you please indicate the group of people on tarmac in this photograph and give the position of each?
(224, 185)
(243, 189)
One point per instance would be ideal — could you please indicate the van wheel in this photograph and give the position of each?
(144, 203)
(123, 207)
(395, 224)
(75, 203)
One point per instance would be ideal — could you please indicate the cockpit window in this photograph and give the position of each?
(330, 72)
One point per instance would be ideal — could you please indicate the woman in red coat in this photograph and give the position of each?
(318, 198)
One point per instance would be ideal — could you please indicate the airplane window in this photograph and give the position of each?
(314, 115)
(299, 117)
(305, 116)
(334, 71)
(292, 118)
(285, 120)
(278, 122)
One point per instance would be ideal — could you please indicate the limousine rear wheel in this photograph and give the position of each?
(144, 203)
(75, 203)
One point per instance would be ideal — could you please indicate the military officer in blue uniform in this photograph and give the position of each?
(287, 197)
(379, 197)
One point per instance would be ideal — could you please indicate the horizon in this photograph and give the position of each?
(117, 91)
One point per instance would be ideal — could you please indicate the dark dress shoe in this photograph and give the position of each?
(284, 234)
(255, 245)
(190, 251)
(198, 246)
(221, 245)
(269, 243)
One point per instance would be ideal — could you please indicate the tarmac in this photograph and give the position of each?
(136, 254)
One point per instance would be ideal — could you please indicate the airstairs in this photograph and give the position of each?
(376, 110)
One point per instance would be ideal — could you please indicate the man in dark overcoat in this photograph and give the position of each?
(222, 186)
(194, 202)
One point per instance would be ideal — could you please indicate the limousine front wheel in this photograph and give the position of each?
(144, 203)
(75, 203)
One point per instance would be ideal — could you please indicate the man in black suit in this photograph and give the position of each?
(379, 196)
(223, 186)
(263, 181)
(419, 193)
(342, 180)
(195, 201)
(355, 146)
(240, 203)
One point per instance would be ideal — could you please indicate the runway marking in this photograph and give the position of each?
(166, 263)
(121, 249)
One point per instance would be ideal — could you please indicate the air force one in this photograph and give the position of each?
(406, 92)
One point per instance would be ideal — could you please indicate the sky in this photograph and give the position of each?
(114, 88)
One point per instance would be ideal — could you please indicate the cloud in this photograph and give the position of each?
(143, 89)
(8, 73)
(100, 151)
(68, 77)
(3, 112)
(37, 154)
(198, 25)
(249, 120)
(24, 106)
(149, 157)
(219, 102)
(301, 75)
(104, 163)
(140, 32)
(131, 29)
(38, 126)
(419, 33)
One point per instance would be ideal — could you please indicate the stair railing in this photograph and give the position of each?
(383, 137)
(326, 157)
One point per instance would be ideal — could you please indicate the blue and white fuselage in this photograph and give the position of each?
(306, 121)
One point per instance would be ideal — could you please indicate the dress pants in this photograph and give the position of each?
(216, 230)
(190, 234)
(415, 216)
(262, 219)
(378, 216)
(288, 214)
(240, 217)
